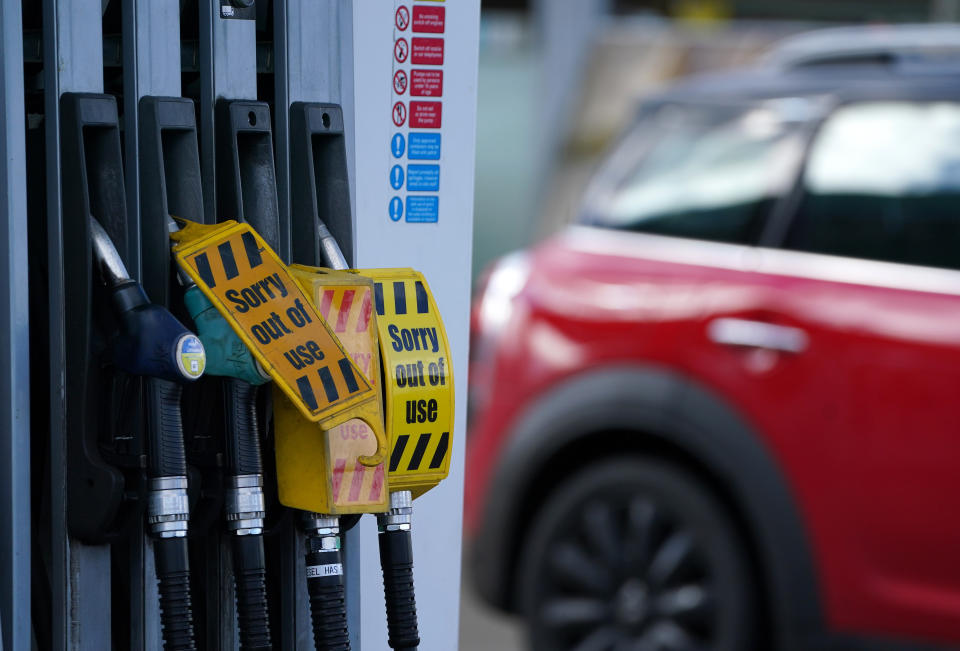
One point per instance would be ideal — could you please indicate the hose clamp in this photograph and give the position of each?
(245, 505)
(168, 507)
(400, 515)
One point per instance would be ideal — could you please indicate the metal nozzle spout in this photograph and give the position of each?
(329, 249)
(108, 259)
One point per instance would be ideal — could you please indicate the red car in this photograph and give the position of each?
(723, 411)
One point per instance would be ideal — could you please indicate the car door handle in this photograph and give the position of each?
(757, 334)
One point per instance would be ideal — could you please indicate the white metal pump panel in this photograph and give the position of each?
(414, 110)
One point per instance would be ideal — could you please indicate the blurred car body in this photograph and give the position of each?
(721, 411)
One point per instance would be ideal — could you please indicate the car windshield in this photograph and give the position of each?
(705, 172)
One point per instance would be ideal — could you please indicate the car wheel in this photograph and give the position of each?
(635, 555)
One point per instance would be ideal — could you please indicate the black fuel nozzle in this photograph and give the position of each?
(152, 343)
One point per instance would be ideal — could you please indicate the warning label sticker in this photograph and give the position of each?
(401, 50)
(402, 17)
(425, 115)
(426, 51)
(424, 146)
(426, 83)
(429, 19)
(423, 178)
(399, 82)
(252, 289)
(423, 209)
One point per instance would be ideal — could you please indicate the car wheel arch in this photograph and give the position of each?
(657, 411)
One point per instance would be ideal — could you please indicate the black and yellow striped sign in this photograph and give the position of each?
(418, 379)
(252, 289)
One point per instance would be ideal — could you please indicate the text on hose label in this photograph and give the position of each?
(330, 569)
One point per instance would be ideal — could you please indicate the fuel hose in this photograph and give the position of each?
(168, 511)
(324, 567)
(396, 562)
(245, 513)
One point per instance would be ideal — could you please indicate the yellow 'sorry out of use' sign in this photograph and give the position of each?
(250, 286)
(418, 379)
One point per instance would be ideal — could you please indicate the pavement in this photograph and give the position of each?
(485, 629)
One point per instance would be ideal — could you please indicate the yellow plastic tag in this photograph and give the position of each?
(249, 285)
(319, 471)
(418, 379)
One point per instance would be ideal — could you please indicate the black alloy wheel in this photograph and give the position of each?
(636, 555)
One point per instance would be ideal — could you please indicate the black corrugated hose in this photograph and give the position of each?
(396, 560)
(166, 459)
(328, 604)
(249, 563)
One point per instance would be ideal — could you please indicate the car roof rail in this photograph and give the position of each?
(876, 45)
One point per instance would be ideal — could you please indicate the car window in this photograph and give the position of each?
(704, 172)
(883, 182)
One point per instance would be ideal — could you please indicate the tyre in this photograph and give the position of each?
(636, 555)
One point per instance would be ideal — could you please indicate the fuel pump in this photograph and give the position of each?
(254, 292)
(145, 344)
(418, 379)
(320, 471)
(244, 507)
(125, 473)
(418, 390)
(170, 175)
(320, 187)
(152, 343)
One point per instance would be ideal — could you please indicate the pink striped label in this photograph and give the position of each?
(337, 478)
(344, 315)
(357, 482)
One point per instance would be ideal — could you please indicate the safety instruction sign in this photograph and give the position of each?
(252, 289)
(419, 41)
(418, 379)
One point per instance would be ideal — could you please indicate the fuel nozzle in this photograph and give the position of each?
(151, 341)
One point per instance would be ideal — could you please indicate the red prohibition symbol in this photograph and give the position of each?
(401, 50)
(402, 19)
(399, 114)
(399, 82)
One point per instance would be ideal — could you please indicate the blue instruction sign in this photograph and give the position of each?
(397, 145)
(396, 209)
(424, 146)
(423, 178)
(396, 177)
(423, 210)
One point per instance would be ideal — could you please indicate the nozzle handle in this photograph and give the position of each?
(151, 341)
(165, 457)
(243, 435)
